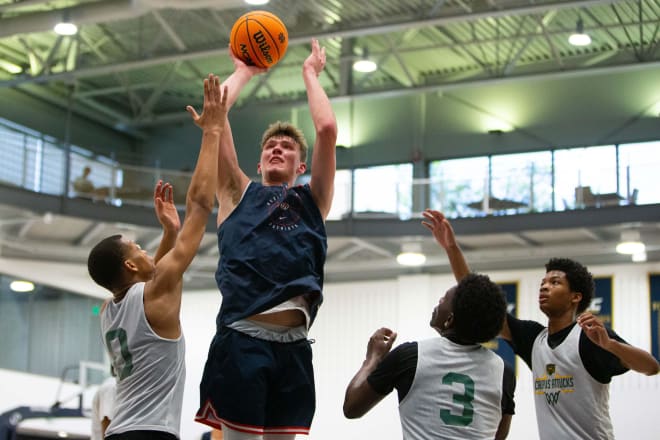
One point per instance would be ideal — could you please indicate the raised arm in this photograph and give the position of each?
(168, 217)
(360, 396)
(324, 161)
(163, 293)
(631, 357)
(231, 179)
(444, 235)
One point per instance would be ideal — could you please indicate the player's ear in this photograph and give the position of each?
(577, 297)
(302, 168)
(130, 266)
(259, 168)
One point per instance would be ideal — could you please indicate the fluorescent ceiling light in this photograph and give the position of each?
(66, 28)
(411, 255)
(494, 125)
(630, 243)
(256, 2)
(364, 66)
(21, 286)
(579, 38)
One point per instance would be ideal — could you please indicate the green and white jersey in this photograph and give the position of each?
(570, 403)
(456, 393)
(151, 370)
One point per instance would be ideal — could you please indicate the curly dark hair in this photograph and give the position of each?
(579, 279)
(479, 309)
(105, 261)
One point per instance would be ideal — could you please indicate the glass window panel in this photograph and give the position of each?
(457, 183)
(524, 178)
(11, 152)
(341, 202)
(581, 174)
(31, 164)
(384, 190)
(52, 175)
(639, 165)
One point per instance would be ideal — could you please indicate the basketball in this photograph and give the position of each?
(259, 38)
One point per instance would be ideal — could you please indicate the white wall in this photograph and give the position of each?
(350, 314)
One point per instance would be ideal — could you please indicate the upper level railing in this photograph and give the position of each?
(545, 181)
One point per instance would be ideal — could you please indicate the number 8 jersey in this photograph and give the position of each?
(456, 392)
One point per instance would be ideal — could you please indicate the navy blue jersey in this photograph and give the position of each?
(272, 248)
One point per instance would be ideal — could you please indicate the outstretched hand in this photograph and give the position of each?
(166, 211)
(316, 60)
(440, 227)
(215, 107)
(594, 329)
(380, 344)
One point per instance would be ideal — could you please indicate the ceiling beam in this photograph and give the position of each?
(363, 30)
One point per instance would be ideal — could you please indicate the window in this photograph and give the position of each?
(384, 190)
(457, 183)
(38, 162)
(525, 178)
(581, 174)
(638, 168)
(341, 202)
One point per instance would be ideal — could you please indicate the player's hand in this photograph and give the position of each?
(239, 64)
(166, 211)
(594, 329)
(316, 60)
(439, 227)
(215, 107)
(380, 344)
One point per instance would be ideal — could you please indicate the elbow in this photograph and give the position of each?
(350, 412)
(654, 370)
(328, 130)
(196, 200)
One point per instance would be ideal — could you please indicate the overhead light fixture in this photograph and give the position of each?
(21, 286)
(630, 243)
(579, 38)
(411, 255)
(66, 26)
(365, 64)
(256, 2)
(494, 125)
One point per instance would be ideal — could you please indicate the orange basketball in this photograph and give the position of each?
(259, 38)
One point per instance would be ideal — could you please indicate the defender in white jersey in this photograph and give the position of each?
(449, 387)
(574, 359)
(140, 323)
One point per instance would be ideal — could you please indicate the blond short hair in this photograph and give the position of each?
(280, 128)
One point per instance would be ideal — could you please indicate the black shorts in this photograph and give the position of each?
(142, 435)
(257, 386)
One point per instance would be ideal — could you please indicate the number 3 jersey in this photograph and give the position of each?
(150, 369)
(569, 402)
(456, 392)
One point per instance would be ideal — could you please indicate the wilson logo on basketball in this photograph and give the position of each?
(245, 54)
(264, 47)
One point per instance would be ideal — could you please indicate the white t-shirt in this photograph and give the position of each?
(103, 405)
